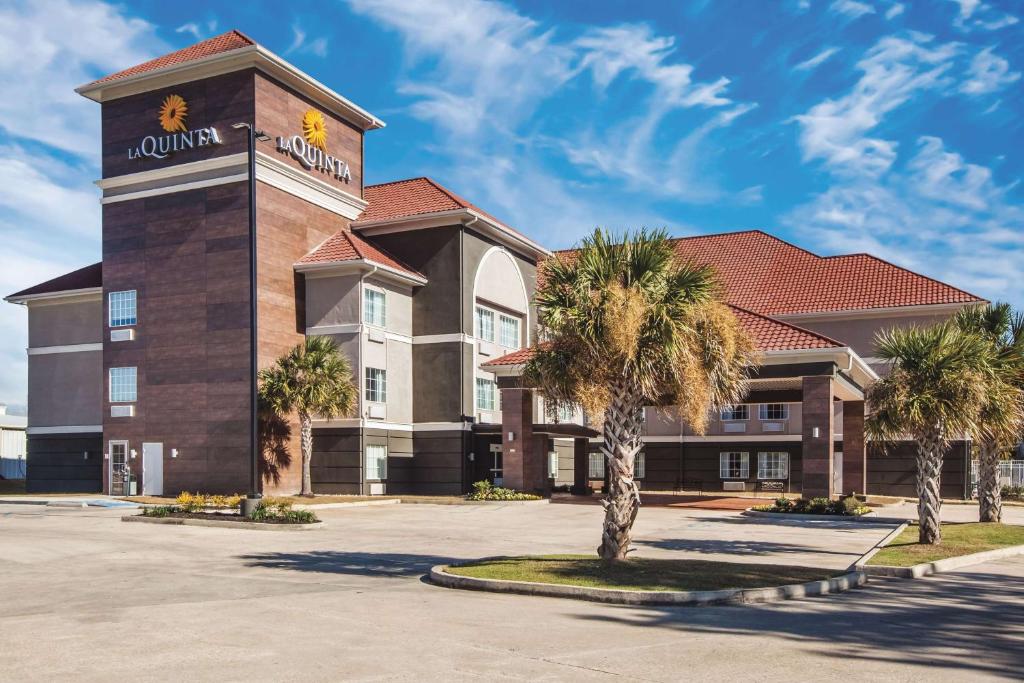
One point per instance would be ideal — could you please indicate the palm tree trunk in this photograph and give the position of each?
(990, 503)
(306, 440)
(621, 444)
(930, 449)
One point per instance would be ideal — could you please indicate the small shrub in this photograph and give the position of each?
(485, 490)
(819, 505)
(846, 506)
(161, 511)
(278, 510)
(783, 504)
(1013, 492)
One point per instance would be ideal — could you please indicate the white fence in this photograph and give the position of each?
(1011, 473)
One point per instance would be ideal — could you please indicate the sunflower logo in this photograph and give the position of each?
(172, 114)
(314, 129)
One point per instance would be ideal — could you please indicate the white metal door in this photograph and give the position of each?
(152, 469)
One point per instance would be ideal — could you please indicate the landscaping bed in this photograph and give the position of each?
(957, 540)
(843, 507)
(268, 511)
(639, 574)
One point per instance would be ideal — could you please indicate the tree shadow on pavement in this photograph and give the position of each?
(734, 546)
(962, 624)
(338, 562)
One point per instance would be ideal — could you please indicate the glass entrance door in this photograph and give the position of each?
(119, 472)
(497, 472)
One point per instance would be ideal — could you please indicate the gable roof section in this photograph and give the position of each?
(348, 246)
(422, 197)
(768, 334)
(770, 276)
(225, 42)
(89, 277)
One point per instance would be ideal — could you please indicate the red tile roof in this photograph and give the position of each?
(83, 278)
(767, 275)
(348, 246)
(415, 197)
(225, 42)
(768, 334)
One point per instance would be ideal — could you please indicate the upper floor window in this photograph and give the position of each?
(566, 412)
(122, 308)
(484, 324)
(486, 394)
(737, 412)
(773, 411)
(123, 385)
(509, 332)
(734, 465)
(376, 385)
(374, 307)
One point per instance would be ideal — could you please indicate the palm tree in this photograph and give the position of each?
(627, 325)
(314, 378)
(1002, 414)
(933, 391)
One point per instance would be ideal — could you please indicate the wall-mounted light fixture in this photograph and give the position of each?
(472, 457)
(815, 432)
(134, 453)
(85, 455)
(174, 452)
(511, 436)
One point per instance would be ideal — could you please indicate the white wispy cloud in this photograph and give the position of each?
(978, 15)
(896, 10)
(300, 44)
(851, 8)
(836, 130)
(988, 73)
(198, 30)
(817, 60)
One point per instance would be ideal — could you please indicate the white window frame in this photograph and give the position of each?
(723, 464)
(640, 465)
(762, 460)
(516, 332)
(595, 465)
(479, 315)
(120, 306)
(122, 375)
(730, 410)
(552, 464)
(762, 412)
(482, 382)
(110, 465)
(368, 293)
(379, 461)
(370, 390)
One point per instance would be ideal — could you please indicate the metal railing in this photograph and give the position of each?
(1011, 473)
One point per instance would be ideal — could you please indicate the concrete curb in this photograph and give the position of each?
(253, 526)
(946, 565)
(737, 596)
(868, 517)
(859, 564)
(337, 506)
(413, 501)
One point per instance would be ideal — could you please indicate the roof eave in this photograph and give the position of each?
(348, 265)
(226, 62)
(60, 294)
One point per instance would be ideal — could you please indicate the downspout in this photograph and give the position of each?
(462, 349)
(362, 379)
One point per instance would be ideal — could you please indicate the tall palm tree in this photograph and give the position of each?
(626, 324)
(314, 378)
(1002, 415)
(933, 392)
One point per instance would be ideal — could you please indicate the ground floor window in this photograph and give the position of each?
(639, 466)
(553, 465)
(734, 465)
(772, 465)
(376, 462)
(596, 466)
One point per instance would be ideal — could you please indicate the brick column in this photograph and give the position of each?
(581, 465)
(817, 450)
(517, 419)
(855, 462)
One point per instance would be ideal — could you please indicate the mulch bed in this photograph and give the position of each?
(217, 517)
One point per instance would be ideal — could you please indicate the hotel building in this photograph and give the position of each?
(139, 371)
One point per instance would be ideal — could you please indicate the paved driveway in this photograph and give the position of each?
(86, 597)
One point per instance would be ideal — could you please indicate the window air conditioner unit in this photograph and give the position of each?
(733, 427)
(377, 411)
(377, 489)
(376, 336)
(734, 486)
(122, 410)
(122, 335)
(486, 417)
(773, 427)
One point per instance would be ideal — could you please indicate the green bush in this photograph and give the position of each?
(485, 490)
(846, 506)
(1013, 492)
(277, 510)
(161, 511)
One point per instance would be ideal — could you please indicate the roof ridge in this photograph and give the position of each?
(396, 182)
(454, 197)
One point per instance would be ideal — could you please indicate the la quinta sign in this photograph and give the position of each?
(173, 113)
(310, 148)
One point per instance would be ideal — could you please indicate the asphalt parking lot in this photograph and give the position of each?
(87, 597)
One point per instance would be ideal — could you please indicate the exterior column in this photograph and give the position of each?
(817, 448)
(516, 452)
(855, 462)
(581, 466)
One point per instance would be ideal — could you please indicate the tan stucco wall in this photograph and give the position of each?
(77, 322)
(859, 333)
(65, 389)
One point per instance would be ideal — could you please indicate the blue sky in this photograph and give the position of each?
(848, 125)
